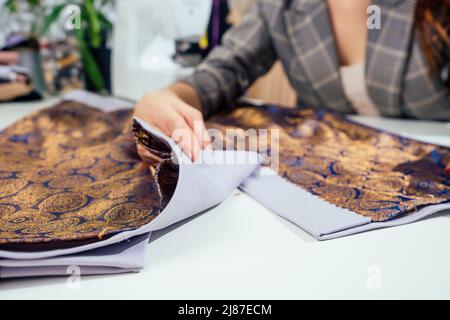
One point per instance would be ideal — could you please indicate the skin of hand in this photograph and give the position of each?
(167, 112)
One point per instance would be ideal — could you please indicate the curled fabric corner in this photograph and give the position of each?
(167, 170)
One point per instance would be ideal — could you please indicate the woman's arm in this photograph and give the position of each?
(246, 54)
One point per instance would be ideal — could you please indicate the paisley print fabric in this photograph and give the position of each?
(370, 172)
(71, 175)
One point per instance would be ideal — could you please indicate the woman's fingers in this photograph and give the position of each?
(180, 131)
(195, 120)
(184, 136)
(178, 120)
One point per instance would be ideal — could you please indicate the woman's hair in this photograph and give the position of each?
(432, 24)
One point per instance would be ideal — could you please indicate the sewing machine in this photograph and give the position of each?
(146, 32)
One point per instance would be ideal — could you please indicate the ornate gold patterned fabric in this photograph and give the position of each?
(370, 172)
(71, 175)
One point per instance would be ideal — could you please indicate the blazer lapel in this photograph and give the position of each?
(387, 52)
(309, 29)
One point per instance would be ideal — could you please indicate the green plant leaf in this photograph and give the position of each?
(52, 18)
(34, 2)
(11, 5)
(90, 65)
(94, 27)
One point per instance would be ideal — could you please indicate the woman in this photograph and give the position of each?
(332, 59)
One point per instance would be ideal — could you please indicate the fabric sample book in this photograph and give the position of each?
(74, 192)
(336, 177)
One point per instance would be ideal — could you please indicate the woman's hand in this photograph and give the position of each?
(167, 112)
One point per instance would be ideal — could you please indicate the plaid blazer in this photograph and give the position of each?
(299, 33)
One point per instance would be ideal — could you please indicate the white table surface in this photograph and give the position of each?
(241, 250)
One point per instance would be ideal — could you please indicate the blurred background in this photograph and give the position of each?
(123, 48)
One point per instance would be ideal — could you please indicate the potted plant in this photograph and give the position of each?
(92, 32)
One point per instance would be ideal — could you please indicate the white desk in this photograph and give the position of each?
(242, 250)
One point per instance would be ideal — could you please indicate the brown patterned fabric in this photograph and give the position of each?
(367, 171)
(70, 175)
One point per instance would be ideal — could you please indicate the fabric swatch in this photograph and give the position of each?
(126, 198)
(370, 172)
(70, 175)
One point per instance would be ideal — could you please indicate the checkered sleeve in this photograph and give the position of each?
(245, 54)
(427, 96)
